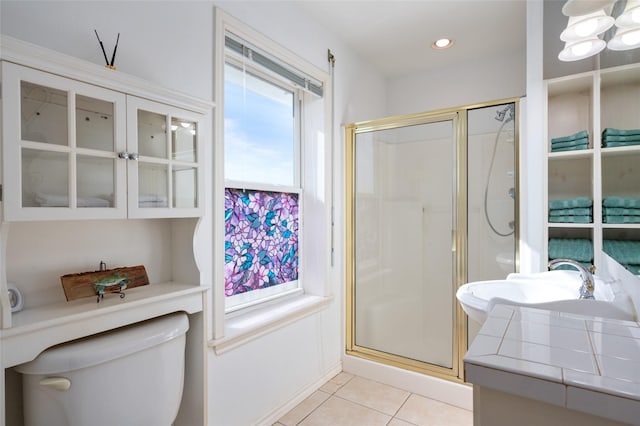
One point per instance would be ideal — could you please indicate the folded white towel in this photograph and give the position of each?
(157, 198)
(50, 200)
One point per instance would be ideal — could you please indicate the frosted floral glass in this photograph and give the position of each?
(261, 239)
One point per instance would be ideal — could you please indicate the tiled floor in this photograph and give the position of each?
(348, 400)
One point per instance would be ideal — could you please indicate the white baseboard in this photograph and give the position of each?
(457, 394)
(298, 397)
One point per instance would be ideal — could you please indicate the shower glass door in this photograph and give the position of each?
(403, 242)
(492, 144)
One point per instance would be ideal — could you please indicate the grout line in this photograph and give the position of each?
(319, 405)
(403, 403)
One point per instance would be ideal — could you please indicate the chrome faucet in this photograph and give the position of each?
(588, 282)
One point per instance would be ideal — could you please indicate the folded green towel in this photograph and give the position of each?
(616, 138)
(626, 252)
(619, 144)
(571, 148)
(572, 219)
(621, 219)
(568, 203)
(618, 132)
(627, 202)
(579, 135)
(619, 211)
(576, 142)
(579, 211)
(579, 249)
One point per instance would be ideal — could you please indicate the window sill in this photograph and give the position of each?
(241, 329)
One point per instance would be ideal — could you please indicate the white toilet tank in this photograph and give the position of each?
(129, 376)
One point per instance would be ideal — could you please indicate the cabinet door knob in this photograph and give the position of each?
(128, 155)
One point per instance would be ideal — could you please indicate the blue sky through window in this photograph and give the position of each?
(259, 130)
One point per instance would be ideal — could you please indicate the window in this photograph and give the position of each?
(262, 182)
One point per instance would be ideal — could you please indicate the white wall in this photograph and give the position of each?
(171, 43)
(166, 42)
(468, 83)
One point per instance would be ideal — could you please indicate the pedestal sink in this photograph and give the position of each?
(553, 290)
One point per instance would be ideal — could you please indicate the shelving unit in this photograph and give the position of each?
(74, 130)
(593, 101)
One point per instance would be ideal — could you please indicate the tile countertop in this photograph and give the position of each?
(583, 363)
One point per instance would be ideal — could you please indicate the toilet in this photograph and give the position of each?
(129, 376)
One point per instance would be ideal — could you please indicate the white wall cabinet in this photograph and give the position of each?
(593, 101)
(74, 150)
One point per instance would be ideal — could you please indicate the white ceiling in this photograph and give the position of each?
(395, 36)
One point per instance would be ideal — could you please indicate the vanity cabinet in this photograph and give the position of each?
(74, 150)
(592, 102)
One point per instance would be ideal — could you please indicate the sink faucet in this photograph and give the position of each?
(588, 283)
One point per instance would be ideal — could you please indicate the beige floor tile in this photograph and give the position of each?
(378, 396)
(397, 422)
(336, 383)
(427, 412)
(339, 412)
(302, 410)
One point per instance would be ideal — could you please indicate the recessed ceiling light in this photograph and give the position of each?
(442, 43)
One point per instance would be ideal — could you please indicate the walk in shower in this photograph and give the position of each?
(430, 206)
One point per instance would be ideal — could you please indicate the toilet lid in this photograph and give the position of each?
(104, 347)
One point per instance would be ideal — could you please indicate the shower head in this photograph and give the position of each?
(507, 114)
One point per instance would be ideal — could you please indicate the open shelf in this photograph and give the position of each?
(593, 101)
(33, 330)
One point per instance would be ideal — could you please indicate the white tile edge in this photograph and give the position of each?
(525, 386)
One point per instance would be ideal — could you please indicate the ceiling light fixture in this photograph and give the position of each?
(630, 17)
(625, 39)
(588, 18)
(586, 26)
(442, 43)
(628, 33)
(581, 49)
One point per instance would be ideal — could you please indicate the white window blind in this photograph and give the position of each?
(263, 59)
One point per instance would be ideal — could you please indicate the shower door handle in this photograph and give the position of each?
(453, 241)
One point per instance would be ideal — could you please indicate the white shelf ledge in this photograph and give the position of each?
(34, 330)
(571, 155)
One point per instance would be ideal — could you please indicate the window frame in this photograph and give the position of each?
(235, 60)
(230, 330)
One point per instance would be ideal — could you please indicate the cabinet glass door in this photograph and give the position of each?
(60, 158)
(164, 179)
(43, 114)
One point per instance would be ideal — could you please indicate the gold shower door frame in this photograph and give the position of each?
(459, 239)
